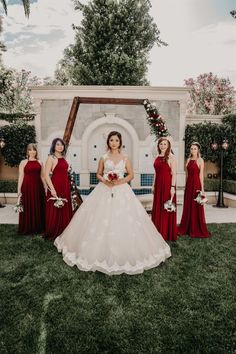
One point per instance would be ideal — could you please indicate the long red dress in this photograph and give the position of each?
(164, 221)
(32, 219)
(193, 221)
(58, 218)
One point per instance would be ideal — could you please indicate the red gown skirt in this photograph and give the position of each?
(58, 218)
(32, 219)
(193, 221)
(164, 221)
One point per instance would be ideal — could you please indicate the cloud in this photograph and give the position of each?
(37, 43)
(197, 43)
(193, 49)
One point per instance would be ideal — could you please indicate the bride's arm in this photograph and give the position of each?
(100, 173)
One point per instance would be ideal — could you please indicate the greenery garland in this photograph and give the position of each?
(156, 122)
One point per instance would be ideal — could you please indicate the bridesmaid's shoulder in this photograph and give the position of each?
(23, 162)
(200, 161)
(172, 158)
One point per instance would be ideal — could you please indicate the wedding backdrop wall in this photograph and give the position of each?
(95, 121)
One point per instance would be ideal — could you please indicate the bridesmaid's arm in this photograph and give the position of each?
(48, 169)
(173, 166)
(42, 175)
(202, 174)
(153, 183)
(21, 177)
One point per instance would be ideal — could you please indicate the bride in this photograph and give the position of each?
(111, 232)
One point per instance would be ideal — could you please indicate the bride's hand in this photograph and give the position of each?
(117, 182)
(108, 183)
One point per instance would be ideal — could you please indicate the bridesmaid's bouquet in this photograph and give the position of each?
(18, 208)
(169, 206)
(201, 198)
(59, 202)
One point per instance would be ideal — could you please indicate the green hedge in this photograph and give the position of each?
(229, 186)
(17, 136)
(206, 133)
(8, 186)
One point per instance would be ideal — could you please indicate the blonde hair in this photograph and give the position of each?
(195, 143)
(32, 147)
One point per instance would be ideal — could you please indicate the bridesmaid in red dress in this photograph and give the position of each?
(56, 175)
(164, 188)
(31, 193)
(193, 221)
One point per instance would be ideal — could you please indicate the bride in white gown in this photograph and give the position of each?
(111, 231)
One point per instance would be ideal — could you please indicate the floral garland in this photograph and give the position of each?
(157, 124)
(74, 191)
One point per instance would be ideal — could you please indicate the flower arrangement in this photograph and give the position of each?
(18, 208)
(59, 202)
(170, 206)
(210, 95)
(111, 176)
(74, 191)
(201, 198)
(157, 124)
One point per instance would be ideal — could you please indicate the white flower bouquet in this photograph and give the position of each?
(18, 208)
(59, 202)
(201, 198)
(170, 206)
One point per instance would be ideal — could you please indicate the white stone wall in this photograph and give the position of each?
(94, 122)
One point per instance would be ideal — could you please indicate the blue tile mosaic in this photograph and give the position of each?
(146, 179)
(76, 178)
(93, 179)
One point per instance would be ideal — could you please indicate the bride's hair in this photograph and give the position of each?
(114, 133)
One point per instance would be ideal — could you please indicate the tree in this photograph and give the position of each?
(14, 91)
(111, 45)
(26, 4)
(2, 45)
(233, 13)
(210, 94)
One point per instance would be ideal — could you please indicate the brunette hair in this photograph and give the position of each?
(32, 146)
(112, 134)
(53, 146)
(195, 143)
(168, 150)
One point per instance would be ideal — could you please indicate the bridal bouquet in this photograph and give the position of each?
(201, 198)
(18, 208)
(111, 176)
(169, 206)
(59, 202)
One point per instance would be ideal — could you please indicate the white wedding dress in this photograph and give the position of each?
(111, 232)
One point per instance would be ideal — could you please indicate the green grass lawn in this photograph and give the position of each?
(186, 305)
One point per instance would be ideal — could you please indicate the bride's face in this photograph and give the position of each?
(114, 142)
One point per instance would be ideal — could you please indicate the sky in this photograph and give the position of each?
(201, 37)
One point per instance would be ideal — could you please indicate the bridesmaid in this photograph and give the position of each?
(58, 184)
(31, 193)
(193, 218)
(164, 188)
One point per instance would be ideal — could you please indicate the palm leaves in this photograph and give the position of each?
(26, 4)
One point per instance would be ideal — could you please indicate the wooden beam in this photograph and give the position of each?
(71, 120)
(104, 100)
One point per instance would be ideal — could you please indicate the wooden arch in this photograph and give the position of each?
(93, 100)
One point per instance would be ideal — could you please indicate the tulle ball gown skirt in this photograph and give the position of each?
(112, 233)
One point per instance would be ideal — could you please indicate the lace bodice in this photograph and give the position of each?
(118, 167)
